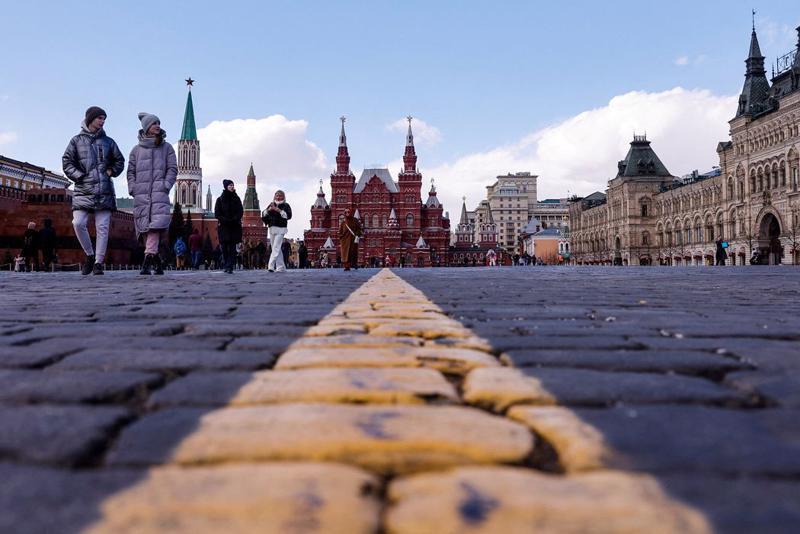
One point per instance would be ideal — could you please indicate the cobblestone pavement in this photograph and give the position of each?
(439, 400)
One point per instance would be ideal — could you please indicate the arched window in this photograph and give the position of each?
(194, 195)
(366, 220)
(385, 221)
(410, 220)
(646, 238)
(183, 194)
(375, 221)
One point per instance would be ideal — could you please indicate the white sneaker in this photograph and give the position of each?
(280, 269)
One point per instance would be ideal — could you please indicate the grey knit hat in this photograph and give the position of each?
(148, 120)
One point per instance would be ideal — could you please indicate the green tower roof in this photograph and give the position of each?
(189, 132)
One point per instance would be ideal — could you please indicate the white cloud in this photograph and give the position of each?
(579, 155)
(424, 133)
(779, 37)
(7, 137)
(683, 61)
(282, 157)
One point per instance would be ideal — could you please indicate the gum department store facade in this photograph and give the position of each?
(648, 216)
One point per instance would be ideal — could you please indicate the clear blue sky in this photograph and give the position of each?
(485, 73)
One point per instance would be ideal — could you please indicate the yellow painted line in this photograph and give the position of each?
(220, 475)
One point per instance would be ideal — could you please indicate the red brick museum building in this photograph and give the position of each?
(396, 222)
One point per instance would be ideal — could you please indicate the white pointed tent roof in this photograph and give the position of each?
(328, 243)
(320, 202)
(421, 243)
(357, 215)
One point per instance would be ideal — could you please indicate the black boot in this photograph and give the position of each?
(88, 265)
(158, 265)
(98, 269)
(148, 259)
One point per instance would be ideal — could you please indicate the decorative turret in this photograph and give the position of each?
(209, 200)
(433, 201)
(342, 156)
(421, 243)
(755, 93)
(189, 182)
(251, 196)
(320, 203)
(488, 229)
(465, 234)
(642, 161)
(410, 155)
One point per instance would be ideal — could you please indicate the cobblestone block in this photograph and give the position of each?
(240, 328)
(670, 438)
(779, 387)
(55, 434)
(504, 499)
(337, 327)
(375, 386)
(688, 362)
(500, 388)
(507, 342)
(23, 386)
(270, 344)
(471, 343)
(355, 341)
(427, 329)
(290, 497)
(445, 359)
(390, 439)
(273, 498)
(165, 360)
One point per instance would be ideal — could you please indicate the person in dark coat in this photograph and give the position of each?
(91, 160)
(286, 251)
(302, 255)
(349, 234)
(721, 254)
(229, 211)
(152, 171)
(30, 247)
(47, 243)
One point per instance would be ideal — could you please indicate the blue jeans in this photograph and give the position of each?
(197, 255)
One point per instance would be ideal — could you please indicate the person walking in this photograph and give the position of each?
(349, 234)
(276, 218)
(47, 244)
(229, 211)
(152, 170)
(302, 255)
(30, 247)
(90, 161)
(196, 248)
(179, 248)
(721, 255)
(286, 252)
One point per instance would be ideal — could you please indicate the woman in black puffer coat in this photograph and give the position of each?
(229, 211)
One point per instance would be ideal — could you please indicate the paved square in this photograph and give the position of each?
(445, 400)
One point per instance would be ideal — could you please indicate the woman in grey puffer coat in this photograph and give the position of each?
(152, 169)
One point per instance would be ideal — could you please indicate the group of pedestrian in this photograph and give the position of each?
(33, 242)
(92, 160)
